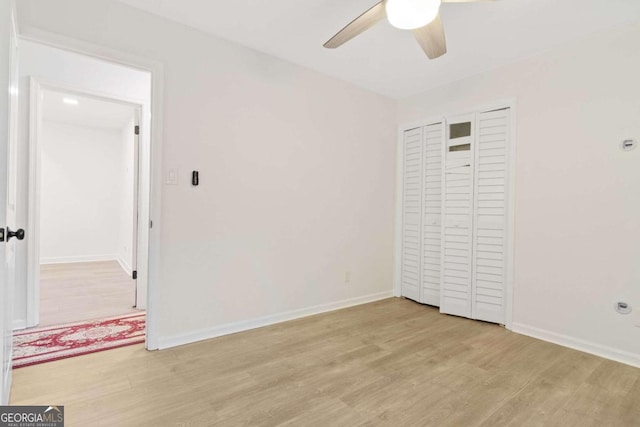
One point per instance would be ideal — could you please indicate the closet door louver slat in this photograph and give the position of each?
(431, 214)
(411, 213)
(490, 224)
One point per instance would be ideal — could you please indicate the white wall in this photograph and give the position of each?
(81, 193)
(126, 203)
(87, 74)
(577, 199)
(297, 174)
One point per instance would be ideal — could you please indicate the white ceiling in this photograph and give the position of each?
(480, 36)
(89, 112)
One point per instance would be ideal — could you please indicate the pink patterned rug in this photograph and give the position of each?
(33, 346)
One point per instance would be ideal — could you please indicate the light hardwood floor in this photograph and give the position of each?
(390, 363)
(83, 291)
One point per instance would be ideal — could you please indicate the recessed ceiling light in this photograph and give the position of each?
(70, 101)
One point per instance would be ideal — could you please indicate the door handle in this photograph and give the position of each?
(18, 234)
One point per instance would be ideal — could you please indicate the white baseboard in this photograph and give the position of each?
(579, 344)
(78, 258)
(243, 325)
(19, 324)
(125, 266)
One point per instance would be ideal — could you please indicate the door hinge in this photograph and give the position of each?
(2, 234)
(136, 130)
(134, 275)
(150, 224)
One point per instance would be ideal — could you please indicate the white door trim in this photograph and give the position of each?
(511, 216)
(397, 243)
(510, 274)
(37, 86)
(8, 145)
(156, 69)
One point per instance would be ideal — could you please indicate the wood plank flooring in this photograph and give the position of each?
(74, 292)
(388, 363)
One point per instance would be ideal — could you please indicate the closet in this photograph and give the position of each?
(455, 214)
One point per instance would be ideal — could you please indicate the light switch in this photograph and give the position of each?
(172, 176)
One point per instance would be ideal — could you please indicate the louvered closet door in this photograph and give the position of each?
(411, 213)
(490, 225)
(457, 222)
(432, 213)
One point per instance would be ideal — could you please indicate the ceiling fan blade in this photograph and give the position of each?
(431, 38)
(359, 25)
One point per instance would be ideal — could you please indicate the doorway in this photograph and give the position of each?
(85, 238)
(118, 251)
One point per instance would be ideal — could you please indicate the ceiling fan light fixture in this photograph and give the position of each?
(411, 14)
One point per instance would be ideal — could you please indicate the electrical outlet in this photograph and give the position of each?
(347, 277)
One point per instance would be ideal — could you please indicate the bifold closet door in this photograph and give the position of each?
(433, 140)
(411, 214)
(457, 217)
(491, 219)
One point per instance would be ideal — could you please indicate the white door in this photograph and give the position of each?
(458, 156)
(433, 137)
(411, 213)
(490, 225)
(8, 126)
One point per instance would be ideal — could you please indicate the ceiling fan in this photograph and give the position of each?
(420, 16)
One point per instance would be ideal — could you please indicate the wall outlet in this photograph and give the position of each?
(347, 277)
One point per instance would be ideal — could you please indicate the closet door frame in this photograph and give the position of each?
(510, 192)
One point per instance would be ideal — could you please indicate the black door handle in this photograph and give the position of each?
(18, 234)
